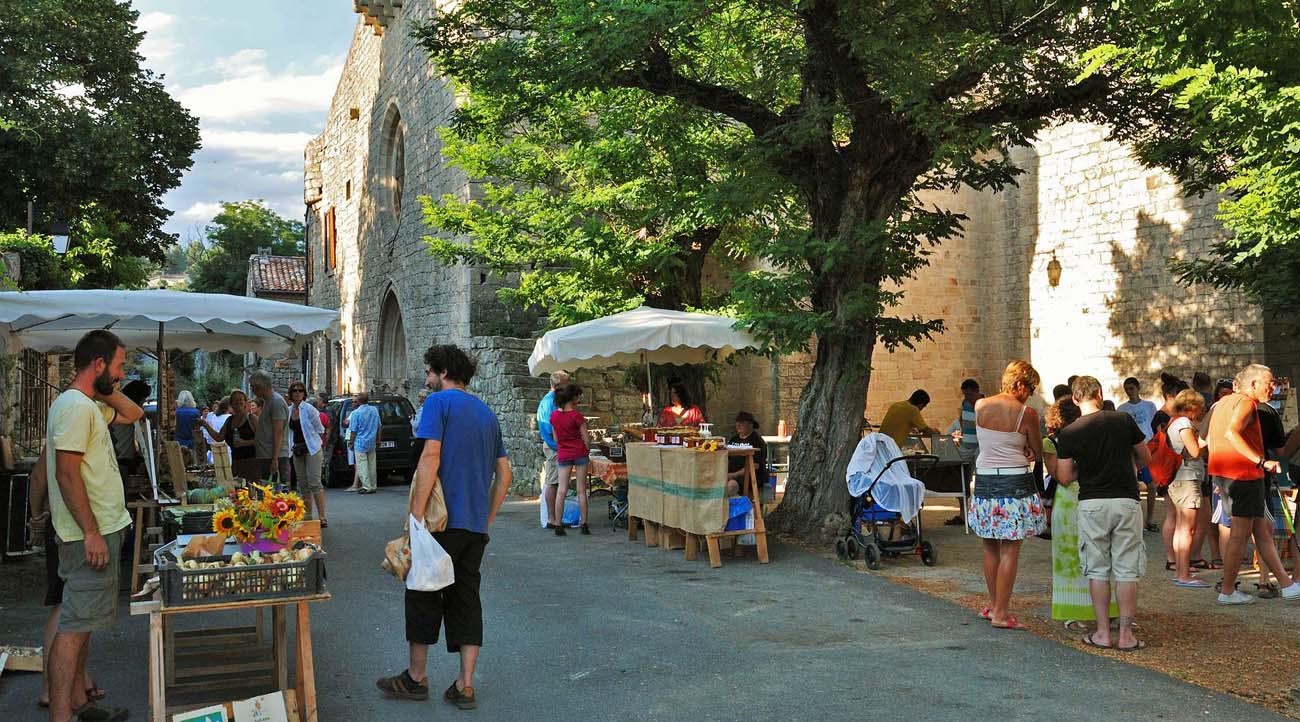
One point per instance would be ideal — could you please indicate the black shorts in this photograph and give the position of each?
(1247, 498)
(53, 582)
(457, 606)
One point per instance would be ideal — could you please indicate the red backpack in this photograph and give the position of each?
(1164, 460)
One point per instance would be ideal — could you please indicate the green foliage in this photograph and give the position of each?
(1234, 70)
(94, 263)
(221, 374)
(181, 256)
(598, 201)
(236, 233)
(87, 133)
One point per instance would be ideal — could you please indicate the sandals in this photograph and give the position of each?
(1011, 623)
(1139, 646)
(1266, 591)
(93, 694)
(987, 613)
(1088, 641)
(1170, 566)
(1200, 564)
(403, 687)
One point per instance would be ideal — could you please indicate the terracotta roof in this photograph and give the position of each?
(277, 274)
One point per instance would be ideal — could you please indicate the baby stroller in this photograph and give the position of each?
(618, 507)
(885, 512)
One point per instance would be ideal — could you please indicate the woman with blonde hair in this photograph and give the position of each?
(1005, 507)
(1184, 492)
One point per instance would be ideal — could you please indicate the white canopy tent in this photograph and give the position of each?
(643, 335)
(157, 321)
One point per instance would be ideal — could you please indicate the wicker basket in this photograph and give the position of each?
(187, 587)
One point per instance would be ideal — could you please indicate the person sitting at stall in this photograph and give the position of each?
(680, 412)
(746, 433)
(903, 417)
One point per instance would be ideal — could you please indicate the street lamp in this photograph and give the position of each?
(60, 235)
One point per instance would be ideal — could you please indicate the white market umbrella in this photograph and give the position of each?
(153, 319)
(160, 320)
(641, 336)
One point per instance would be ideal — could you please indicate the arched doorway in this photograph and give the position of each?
(392, 342)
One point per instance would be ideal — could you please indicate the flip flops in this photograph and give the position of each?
(1139, 646)
(1088, 641)
(986, 613)
(1011, 623)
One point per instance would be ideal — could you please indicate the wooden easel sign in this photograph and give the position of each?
(264, 708)
(215, 713)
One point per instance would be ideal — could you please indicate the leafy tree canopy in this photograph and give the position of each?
(1235, 70)
(236, 233)
(95, 263)
(87, 133)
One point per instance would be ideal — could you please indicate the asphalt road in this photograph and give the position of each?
(596, 628)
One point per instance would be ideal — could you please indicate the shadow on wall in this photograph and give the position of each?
(1021, 209)
(1163, 325)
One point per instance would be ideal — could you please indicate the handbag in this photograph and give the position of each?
(300, 449)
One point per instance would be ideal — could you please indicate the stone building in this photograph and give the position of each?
(1084, 203)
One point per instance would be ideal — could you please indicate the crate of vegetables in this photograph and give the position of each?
(239, 576)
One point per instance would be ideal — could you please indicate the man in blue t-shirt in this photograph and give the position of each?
(463, 452)
(550, 470)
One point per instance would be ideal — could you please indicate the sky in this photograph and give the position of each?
(260, 77)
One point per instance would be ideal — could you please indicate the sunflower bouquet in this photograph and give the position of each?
(260, 521)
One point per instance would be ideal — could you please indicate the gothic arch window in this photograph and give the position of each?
(392, 341)
(394, 166)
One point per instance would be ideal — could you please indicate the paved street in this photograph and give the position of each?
(595, 628)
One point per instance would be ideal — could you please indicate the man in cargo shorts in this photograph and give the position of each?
(1102, 451)
(88, 508)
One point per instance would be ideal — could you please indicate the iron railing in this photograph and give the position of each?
(35, 394)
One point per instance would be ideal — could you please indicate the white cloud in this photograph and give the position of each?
(200, 212)
(155, 21)
(258, 147)
(250, 90)
(157, 46)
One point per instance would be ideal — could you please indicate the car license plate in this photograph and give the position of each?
(388, 444)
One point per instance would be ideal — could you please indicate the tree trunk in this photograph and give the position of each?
(816, 499)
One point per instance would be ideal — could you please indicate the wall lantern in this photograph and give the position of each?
(60, 235)
(1053, 271)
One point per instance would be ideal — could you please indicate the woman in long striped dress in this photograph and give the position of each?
(1071, 602)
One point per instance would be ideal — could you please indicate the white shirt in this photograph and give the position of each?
(214, 420)
(1142, 412)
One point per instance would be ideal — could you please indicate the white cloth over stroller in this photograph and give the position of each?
(896, 491)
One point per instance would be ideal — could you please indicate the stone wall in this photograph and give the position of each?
(1117, 311)
(387, 85)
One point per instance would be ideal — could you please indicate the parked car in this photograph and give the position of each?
(395, 414)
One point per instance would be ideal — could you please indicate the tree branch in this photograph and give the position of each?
(658, 76)
(1018, 109)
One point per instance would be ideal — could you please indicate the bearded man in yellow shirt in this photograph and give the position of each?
(904, 416)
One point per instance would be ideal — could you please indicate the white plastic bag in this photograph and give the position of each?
(431, 567)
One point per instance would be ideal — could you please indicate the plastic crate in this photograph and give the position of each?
(188, 587)
(176, 522)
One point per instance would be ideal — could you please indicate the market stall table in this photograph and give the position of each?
(165, 670)
(611, 472)
(684, 491)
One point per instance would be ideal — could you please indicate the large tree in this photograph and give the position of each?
(858, 105)
(86, 133)
(240, 230)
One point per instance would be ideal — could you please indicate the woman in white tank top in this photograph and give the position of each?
(1005, 507)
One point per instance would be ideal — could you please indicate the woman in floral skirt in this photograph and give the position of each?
(1005, 508)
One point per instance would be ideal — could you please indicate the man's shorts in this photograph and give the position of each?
(1185, 493)
(1247, 498)
(1110, 540)
(458, 606)
(549, 467)
(89, 596)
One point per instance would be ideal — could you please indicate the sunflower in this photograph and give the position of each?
(223, 522)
